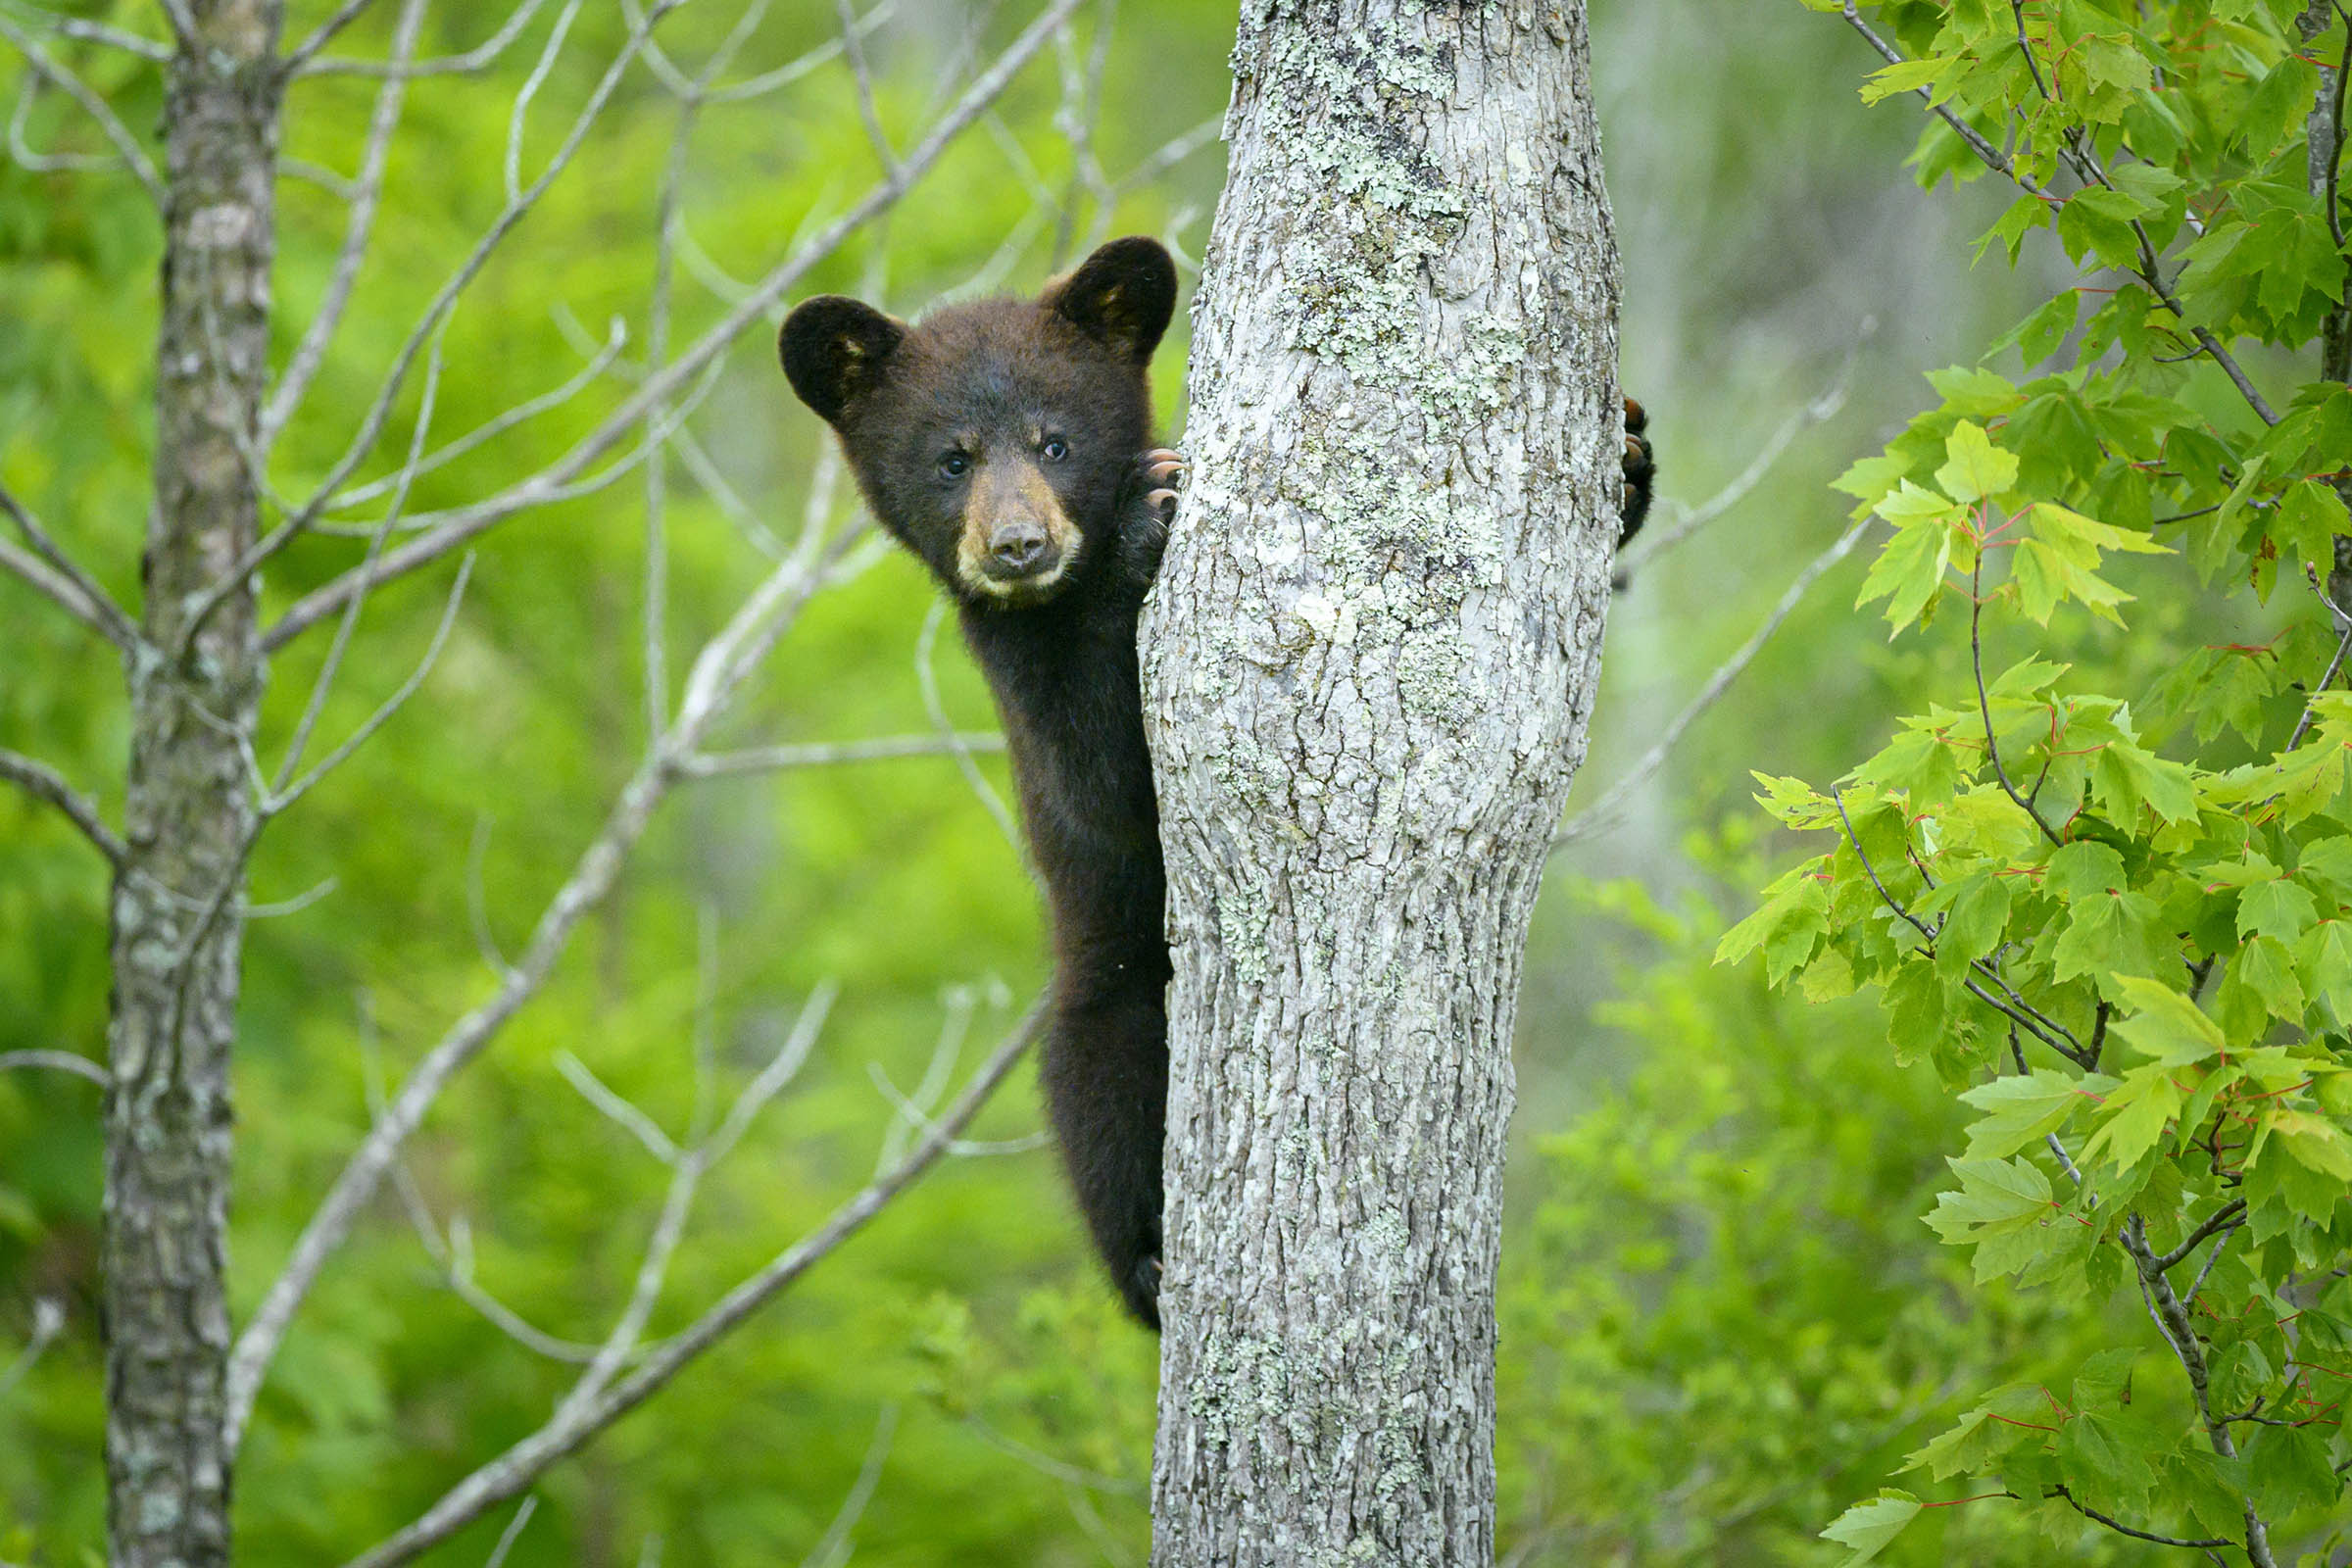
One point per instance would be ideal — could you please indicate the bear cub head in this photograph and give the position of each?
(997, 440)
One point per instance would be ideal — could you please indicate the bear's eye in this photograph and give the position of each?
(954, 465)
(1055, 450)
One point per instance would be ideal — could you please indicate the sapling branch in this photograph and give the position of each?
(45, 784)
(1976, 659)
(2016, 1008)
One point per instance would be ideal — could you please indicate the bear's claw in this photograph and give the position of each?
(1165, 473)
(1641, 470)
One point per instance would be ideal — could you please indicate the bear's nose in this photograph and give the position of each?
(1018, 547)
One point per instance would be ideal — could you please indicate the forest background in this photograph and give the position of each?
(1723, 1319)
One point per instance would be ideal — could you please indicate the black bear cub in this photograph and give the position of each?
(1007, 443)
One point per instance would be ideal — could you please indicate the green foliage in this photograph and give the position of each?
(2112, 914)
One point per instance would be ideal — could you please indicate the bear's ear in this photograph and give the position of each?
(833, 348)
(1121, 296)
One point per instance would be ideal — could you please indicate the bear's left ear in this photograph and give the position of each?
(1121, 297)
(834, 347)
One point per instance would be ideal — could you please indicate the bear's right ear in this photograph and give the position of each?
(833, 348)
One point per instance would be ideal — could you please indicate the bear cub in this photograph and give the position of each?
(1007, 443)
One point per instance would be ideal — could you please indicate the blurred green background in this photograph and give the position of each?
(1722, 1319)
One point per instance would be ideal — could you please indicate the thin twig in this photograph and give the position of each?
(928, 679)
(832, 1547)
(1976, 659)
(45, 783)
(505, 1539)
(444, 301)
(1077, 123)
(366, 191)
(134, 157)
(2088, 1512)
(724, 663)
(2180, 1335)
(1656, 541)
(2311, 706)
(616, 1109)
(852, 44)
(479, 57)
(617, 336)
(463, 524)
(55, 1062)
(48, 1322)
(514, 1470)
(64, 581)
(299, 56)
(2220, 1219)
(99, 33)
(775, 759)
(1606, 810)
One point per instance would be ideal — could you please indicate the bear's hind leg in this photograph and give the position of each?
(1106, 1075)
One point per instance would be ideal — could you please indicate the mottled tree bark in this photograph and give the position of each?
(178, 896)
(1369, 663)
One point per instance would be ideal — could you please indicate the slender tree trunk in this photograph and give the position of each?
(178, 899)
(1369, 664)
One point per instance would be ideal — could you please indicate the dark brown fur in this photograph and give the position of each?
(1048, 555)
(993, 384)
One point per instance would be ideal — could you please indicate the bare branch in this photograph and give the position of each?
(59, 591)
(48, 1322)
(2222, 1219)
(134, 157)
(475, 59)
(928, 679)
(775, 759)
(506, 1537)
(773, 1078)
(55, 1062)
(462, 524)
(1656, 541)
(88, 31)
(853, 45)
(63, 581)
(792, 70)
(616, 337)
(390, 705)
(1081, 107)
(276, 797)
(668, 208)
(366, 190)
(445, 301)
(833, 1548)
(183, 26)
(1976, 659)
(294, 60)
(616, 1109)
(723, 665)
(1604, 810)
(513, 1471)
(519, 115)
(44, 783)
(1169, 155)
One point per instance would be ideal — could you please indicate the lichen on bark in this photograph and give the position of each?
(1368, 667)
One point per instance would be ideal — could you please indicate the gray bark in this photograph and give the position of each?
(1368, 669)
(179, 894)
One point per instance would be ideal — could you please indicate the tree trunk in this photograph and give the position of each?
(179, 898)
(1368, 668)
